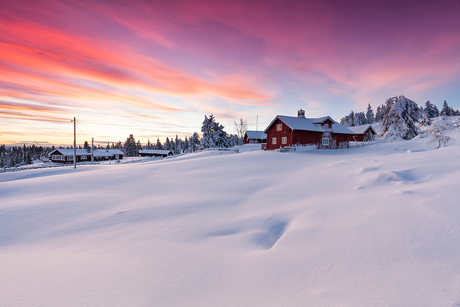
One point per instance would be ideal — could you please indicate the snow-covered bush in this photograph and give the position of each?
(425, 120)
(438, 136)
(437, 131)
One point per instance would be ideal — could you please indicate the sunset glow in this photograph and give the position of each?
(154, 69)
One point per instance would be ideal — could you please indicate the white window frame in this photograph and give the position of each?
(326, 141)
(69, 158)
(57, 157)
(274, 141)
(284, 140)
(83, 157)
(279, 127)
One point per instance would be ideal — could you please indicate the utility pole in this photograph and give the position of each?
(257, 124)
(92, 149)
(74, 142)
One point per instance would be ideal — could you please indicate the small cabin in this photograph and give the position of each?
(363, 133)
(155, 153)
(255, 137)
(83, 155)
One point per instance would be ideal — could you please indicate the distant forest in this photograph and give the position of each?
(213, 135)
(383, 111)
(401, 118)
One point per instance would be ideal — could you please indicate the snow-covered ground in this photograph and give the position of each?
(370, 226)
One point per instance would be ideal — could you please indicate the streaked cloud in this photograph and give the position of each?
(167, 63)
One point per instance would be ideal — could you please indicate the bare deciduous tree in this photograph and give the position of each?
(240, 127)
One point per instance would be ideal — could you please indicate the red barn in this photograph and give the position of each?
(363, 133)
(323, 132)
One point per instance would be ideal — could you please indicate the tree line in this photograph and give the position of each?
(12, 156)
(398, 117)
(213, 136)
(362, 118)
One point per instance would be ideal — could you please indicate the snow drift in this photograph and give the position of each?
(370, 226)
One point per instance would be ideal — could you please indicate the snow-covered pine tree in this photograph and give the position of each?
(399, 121)
(220, 136)
(207, 128)
(185, 145)
(378, 115)
(351, 119)
(177, 146)
(149, 145)
(360, 119)
(158, 144)
(194, 142)
(167, 144)
(130, 146)
(234, 140)
(431, 110)
(344, 121)
(447, 111)
(425, 120)
(369, 114)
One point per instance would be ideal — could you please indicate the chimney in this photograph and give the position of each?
(301, 113)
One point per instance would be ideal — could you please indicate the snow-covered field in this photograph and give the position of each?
(370, 226)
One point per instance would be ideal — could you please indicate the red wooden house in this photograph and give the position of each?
(323, 132)
(363, 133)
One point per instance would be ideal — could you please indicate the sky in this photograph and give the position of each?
(154, 69)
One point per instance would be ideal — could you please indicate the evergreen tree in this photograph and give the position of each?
(360, 119)
(344, 121)
(194, 142)
(351, 119)
(177, 145)
(185, 145)
(399, 120)
(448, 111)
(214, 134)
(158, 145)
(130, 147)
(369, 114)
(221, 137)
(167, 145)
(234, 140)
(431, 110)
(378, 115)
(207, 128)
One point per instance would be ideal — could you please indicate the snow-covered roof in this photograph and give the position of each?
(252, 134)
(362, 129)
(155, 151)
(311, 124)
(84, 152)
(106, 152)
